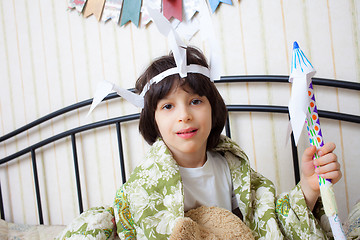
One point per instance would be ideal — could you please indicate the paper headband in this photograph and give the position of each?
(179, 52)
(192, 68)
(104, 87)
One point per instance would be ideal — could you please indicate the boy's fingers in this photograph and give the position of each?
(327, 148)
(331, 167)
(334, 176)
(325, 159)
(309, 154)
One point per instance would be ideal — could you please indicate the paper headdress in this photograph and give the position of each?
(178, 49)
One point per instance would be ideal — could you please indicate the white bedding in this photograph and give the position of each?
(12, 231)
(94, 223)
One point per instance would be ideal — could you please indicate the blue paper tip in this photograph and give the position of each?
(296, 45)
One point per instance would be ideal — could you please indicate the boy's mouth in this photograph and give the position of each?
(187, 133)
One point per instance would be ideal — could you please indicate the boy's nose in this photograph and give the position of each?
(185, 116)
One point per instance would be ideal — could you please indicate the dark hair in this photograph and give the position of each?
(198, 83)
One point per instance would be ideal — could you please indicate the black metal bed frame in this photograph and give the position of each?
(118, 120)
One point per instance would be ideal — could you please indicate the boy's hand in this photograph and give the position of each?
(326, 166)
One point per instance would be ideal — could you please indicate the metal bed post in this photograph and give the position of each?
(37, 187)
(121, 154)
(2, 205)
(295, 159)
(77, 175)
(227, 126)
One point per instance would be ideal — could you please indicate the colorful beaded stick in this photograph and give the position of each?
(302, 70)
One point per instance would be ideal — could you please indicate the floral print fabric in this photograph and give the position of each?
(152, 199)
(94, 223)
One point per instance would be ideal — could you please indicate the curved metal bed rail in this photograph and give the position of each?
(118, 120)
(224, 79)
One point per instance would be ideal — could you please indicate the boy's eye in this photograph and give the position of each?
(196, 102)
(167, 106)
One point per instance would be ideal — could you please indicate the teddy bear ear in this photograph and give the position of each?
(186, 228)
(210, 223)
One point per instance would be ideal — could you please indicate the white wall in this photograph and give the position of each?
(51, 57)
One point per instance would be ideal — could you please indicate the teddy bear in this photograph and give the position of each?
(210, 223)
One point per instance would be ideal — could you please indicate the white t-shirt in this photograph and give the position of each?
(209, 185)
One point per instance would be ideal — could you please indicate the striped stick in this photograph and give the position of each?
(302, 70)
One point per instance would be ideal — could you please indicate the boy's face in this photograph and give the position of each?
(184, 121)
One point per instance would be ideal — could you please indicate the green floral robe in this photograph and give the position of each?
(151, 201)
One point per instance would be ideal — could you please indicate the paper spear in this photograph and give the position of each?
(302, 109)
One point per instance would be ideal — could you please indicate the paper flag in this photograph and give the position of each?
(215, 3)
(301, 73)
(112, 10)
(131, 12)
(145, 18)
(190, 8)
(77, 4)
(172, 8)
(94, 7)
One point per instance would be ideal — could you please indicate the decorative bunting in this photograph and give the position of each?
(131, 12)
(172, 8)
(183, 11)
(215, 3)
(77, 4)
(94, 7)
(112, 10)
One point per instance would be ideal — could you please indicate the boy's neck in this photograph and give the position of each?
(191, 160)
